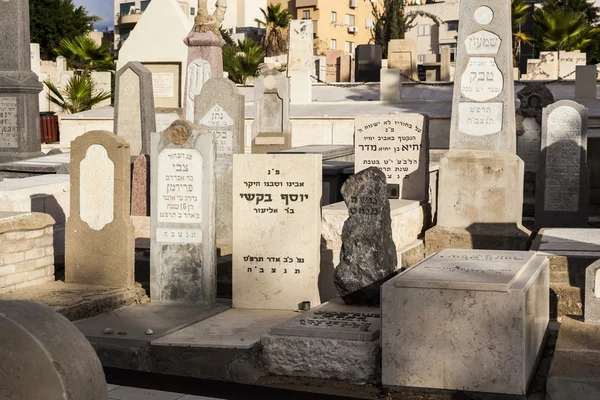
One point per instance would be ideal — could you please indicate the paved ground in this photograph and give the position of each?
(130, 393)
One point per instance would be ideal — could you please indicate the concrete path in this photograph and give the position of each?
(131, 393)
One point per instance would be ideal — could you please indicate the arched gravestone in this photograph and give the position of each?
(43, 356)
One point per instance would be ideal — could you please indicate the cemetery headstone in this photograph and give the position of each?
(591, 306)
(586, 82)
(333, 60)
(398, 146)
(534, 97)
(368, 63)
(321, 68)
(562, 188)
(19, 86)
(300, 60)
(197, 75)
(220, 112)
(35, 58)
(368, 257)
(568, 61)
(103, 83)
(481, 166)
(140, 186)
(529, 145)
(390, 88)
(99, 234)
(445, 61)
(276, 230)
(46, 356)
(402, 55)
(135, 117)
(182, 217)
(271, 129)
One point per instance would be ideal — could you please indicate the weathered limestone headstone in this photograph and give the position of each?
(544, 68)
(591, 306)
(586, 82)
(368, 63)
(402, 54)
(197, 75)
(220, 112)
(332, 72)
(276, 230)
(19, 86)
(300, 60)
(271, 129)
(390, 87)
(568, 61)
(445, 62)
(562, 188)
(135, 117)
(398, 146)
(368, 256)
(481, 177)
(45, 356)
(102, 79)
(100, 247)
(182, 222)
(140, 186)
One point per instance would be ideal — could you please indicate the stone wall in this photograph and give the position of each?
(26, 250)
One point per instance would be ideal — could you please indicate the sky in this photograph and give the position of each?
(101, 8)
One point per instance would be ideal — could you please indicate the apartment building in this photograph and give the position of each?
(239, 18)
(338, 24)
(428, 36)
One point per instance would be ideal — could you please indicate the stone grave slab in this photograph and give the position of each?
(276, 230)
(328, 152)
(231, 329)
(399, 147)
(334, 320)
(477, 293)
(572, 242)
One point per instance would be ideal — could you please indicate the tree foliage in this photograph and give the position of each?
(393, 21)
(80, 94)
(84, 55)
(519, 12)
(563, 30)
(276, 21)
(54, 20)
(243, 60)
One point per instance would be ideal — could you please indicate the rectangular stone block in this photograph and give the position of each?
(300, 60)
(586, 77)
(497, 302)
(368, 62)
(391, 85)
(402, 55)
(276, 230)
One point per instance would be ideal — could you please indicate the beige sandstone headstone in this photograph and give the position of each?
(402, 54)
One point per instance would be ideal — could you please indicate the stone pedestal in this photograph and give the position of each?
(482, 203)
(466, 320)
(207, 46)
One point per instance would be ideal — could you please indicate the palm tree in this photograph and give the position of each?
(563, 30)
(519, 14)
(84, 55)
(242, 61)
(79, 95)
(276, 21)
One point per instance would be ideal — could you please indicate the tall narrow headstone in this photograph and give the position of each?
(182, 217)
(333, 69)
(220, 112)
(100, 240)
(398, 146)
(368, 63)
(481, 177)
(562, 188)
(271, 129)
(300, 60)
(402, 54)
(197, 75)
(445, 64)
(135, 117)
(140, 186)
(19, 86)
(276, 230)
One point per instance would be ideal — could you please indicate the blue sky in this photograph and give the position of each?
(101, 8)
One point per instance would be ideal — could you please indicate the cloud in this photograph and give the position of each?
(102, 8)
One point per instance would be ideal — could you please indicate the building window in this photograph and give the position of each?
(369, 23)
(452, 48)
(144, 5)
(126, 8)
(349, 47)
(192, 10)
(333, 44)
(306, 14)
(424, 30)
(350, 19)
(333, 16)
(452, 25)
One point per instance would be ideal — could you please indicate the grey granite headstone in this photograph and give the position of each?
(591, 306)
(368, 63)
(586, 78)
(562, 186)
(19, 86)
(220, 111)
(182, 222)
(368, 257)
(134, 107)
(271, 129)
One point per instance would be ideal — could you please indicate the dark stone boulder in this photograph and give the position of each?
(368, 257)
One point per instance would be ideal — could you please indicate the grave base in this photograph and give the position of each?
(299, 348)
(484, 236)
(10, 157)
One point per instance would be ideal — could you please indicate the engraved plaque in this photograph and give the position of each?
(178, 235)
(9, 135)
(482, 42)
(480, 119)
(482, 80)
(97, 188)
(163, 84)
(179, 186)
(222, 128)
